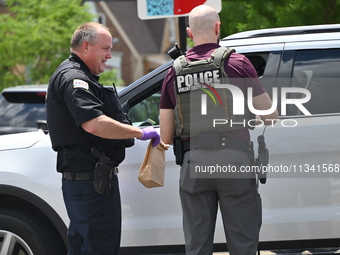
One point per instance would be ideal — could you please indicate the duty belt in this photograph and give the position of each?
(219, 143)
(83, 176)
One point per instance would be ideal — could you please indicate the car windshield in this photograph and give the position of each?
(20, 113)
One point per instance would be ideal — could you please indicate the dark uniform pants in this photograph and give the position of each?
(95, 220)
(239, 202)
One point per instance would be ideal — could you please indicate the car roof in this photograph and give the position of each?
(283, 35)
(286, 31)
(26, 88)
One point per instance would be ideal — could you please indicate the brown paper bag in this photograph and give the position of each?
(151, 172)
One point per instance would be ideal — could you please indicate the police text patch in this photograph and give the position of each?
(193, 81)
(80, 84)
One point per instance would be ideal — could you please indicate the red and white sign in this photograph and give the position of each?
(156, 9)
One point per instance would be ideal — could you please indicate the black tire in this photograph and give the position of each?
(27, 234)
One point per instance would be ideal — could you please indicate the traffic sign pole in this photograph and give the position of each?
(182, 33)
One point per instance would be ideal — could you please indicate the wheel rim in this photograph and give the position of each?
(12, 244)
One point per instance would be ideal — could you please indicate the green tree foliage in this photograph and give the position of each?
(237, 16)
(109, 76)
(37, 34)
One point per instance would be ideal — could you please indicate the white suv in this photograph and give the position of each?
(301, 198)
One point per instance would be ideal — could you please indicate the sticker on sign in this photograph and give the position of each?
(156, 9)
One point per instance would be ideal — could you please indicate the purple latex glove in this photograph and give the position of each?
(151, 133)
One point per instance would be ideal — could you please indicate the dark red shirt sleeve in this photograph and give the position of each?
(168, 98)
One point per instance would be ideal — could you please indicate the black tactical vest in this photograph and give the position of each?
(66, 132)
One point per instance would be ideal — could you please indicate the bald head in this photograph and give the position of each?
(204, 25)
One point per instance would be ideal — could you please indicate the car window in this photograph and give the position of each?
(18, 114)
(146, 112)
(259, 61)
(318, 72)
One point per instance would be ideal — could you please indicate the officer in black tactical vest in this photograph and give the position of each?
(196, 99)
(90, 132)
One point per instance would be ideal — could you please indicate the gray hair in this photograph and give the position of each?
(86, 33)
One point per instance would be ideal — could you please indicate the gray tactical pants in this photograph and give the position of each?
(239, 202)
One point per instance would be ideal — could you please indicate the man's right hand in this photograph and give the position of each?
(151, 133)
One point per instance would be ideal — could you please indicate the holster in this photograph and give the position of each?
(103, 172)
(102, 179)
(178, 150)
(262, 159)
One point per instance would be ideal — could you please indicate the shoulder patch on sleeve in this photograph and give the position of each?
(80, 84)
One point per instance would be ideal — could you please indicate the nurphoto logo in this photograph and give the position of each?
(239, 104)
(238, 99)
(209, 82)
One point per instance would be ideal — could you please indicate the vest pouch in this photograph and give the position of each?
(207, 140)
(131, 141)
(195, 115)
(116, 152)
(203, 113)
(114, 110)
